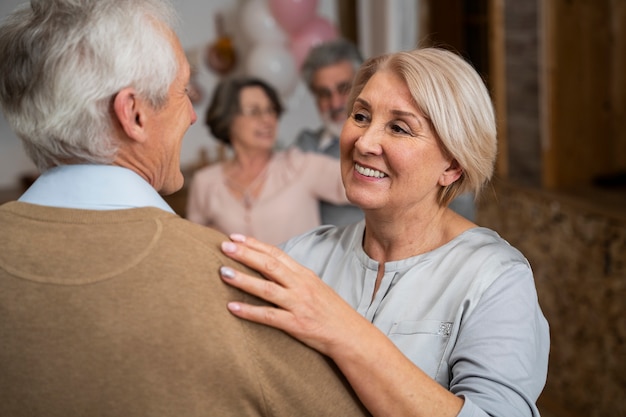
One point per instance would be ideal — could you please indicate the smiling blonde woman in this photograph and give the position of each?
(425, 312)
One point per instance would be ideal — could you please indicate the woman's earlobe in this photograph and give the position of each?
(451, 174)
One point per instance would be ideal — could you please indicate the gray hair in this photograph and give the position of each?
(63, 61)
(330, 53)
(453, 97)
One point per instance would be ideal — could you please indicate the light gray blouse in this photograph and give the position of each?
(466, 313)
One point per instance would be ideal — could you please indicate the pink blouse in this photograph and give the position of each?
(287, 205)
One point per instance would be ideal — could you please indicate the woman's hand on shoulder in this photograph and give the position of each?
(303, 305)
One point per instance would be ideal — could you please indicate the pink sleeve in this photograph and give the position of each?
(193, 210)
(324, 174)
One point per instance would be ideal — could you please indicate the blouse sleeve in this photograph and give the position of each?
(499, 363)
(324, 175)
(194, 209)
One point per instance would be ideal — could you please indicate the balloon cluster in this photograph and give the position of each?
(281, 33)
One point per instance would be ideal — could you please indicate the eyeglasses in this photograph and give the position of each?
(324, 93)
(258, 113)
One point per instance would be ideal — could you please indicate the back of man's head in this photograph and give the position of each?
(62, 62)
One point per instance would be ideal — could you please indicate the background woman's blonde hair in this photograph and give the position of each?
(449, 92)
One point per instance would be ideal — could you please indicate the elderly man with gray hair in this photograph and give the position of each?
(328, 72)
(110, 303)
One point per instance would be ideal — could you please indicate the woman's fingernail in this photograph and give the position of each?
(234, 306)
(229, 247)
(227, 272)
(237, 237)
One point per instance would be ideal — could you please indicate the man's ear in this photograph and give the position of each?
(451, 174)
(130, 112)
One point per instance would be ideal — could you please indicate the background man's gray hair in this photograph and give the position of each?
(330, 53)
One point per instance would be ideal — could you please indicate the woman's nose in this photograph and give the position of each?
(370, 141)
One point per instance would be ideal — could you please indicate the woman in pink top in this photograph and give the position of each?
(271, 195)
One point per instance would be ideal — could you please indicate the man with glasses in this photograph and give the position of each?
(328, 71)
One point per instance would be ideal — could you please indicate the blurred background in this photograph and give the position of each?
(556, 70)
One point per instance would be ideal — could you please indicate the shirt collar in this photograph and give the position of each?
(93, 187)
(326, 140)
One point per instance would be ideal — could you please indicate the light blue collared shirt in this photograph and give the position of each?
(93, 187)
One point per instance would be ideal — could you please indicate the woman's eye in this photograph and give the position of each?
(396, 128)
(359, 117)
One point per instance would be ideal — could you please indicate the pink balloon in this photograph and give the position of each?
(315, 32)
(292, 15)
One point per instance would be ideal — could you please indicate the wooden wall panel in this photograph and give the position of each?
(618, 28)
(583, 118)
(497, 78)
(347, 12)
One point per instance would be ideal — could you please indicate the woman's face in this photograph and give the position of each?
(254, 128)
(390, 156)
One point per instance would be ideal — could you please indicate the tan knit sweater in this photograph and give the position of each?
(122, 313)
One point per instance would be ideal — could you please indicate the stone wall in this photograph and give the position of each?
(578, 254)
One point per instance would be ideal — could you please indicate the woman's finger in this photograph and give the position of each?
(276, 316)
(269, 261)
(259, 287)
(267, 315)
(265, 248)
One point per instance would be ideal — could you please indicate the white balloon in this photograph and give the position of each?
(275, 65)
(259, 25)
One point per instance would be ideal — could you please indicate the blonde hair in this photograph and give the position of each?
(453, 97)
